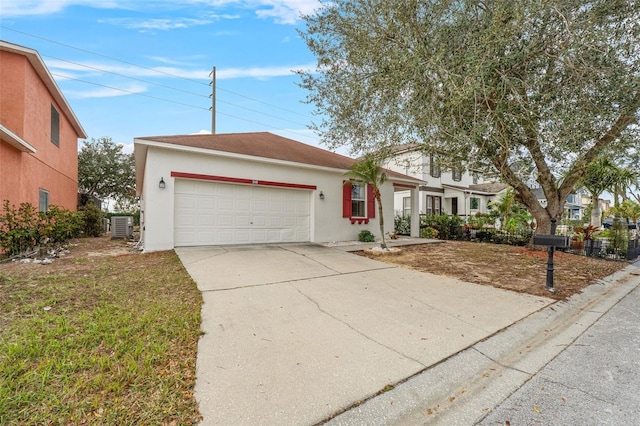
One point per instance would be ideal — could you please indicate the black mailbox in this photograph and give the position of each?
(558, 241)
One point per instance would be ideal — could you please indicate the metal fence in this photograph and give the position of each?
(607, 248)
(604, 248)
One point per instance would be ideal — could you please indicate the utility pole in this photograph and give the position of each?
(212, 74)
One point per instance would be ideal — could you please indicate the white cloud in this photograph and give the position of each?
(79, 69)
(14, 8)
(259, 72)
(156, 24)
(281, 11)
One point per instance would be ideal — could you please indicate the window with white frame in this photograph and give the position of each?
(474, 203)
(43, 203)
(358, 200)
(406, 206)
(433, 205)
(437, 209)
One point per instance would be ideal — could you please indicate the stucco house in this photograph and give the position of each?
(248, 188)
(454, 192)
(38, 133)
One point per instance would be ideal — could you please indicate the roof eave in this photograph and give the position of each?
(15, 140)
(38, 64)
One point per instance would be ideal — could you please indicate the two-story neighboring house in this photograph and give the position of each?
(38, 133)
(575, 204)
(454, 192)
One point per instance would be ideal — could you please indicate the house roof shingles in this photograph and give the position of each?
(266, 145)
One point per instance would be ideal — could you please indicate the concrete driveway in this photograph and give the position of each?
(294, 334)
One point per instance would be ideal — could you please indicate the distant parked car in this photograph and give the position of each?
(608, 223)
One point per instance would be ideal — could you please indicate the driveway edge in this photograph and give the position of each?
(463, 388)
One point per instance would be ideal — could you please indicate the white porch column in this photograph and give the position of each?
(415, 212)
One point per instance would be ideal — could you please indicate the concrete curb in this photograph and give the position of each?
(463, 388)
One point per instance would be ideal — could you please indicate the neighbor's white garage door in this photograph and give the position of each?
(211, 213)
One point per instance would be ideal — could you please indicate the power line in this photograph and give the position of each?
(126, 76)
(149, 69)
(104, 56)
(127, 91)
(166, 87)
(180, 103)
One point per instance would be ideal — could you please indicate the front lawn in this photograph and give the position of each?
(507, 267)
(102, 335)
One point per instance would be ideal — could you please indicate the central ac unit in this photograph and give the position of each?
(121, 226)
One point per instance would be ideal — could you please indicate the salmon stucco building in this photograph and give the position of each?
(38, 134)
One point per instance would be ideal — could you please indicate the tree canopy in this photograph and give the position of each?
(529, 91)
(105, 171)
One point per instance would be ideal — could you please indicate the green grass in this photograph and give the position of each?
(108, 340)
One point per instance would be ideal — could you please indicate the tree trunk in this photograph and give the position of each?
(595, 212)
(543, 219)
(383, 243)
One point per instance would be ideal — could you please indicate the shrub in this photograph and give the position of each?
(402, 224)
(429, 233)
(448, 227)
(24, 228)
(20, 228)
(63, 225)
(93, 220)
(366, 236)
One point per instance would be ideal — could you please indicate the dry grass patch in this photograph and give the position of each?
(507, 267)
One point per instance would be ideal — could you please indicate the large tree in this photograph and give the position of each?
(105, 171)
(532, 91)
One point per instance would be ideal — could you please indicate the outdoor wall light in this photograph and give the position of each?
(161, 185)
(321, 195)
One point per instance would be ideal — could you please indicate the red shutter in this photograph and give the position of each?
(346, 199)
(371, 203)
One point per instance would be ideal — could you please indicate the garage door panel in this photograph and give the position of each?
(206, 202)
(225, 204)
(219, 213)
(242, 221)
(259, 206)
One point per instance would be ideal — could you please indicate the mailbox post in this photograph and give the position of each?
(552, 241)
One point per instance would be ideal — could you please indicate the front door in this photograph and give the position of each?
(454, 206)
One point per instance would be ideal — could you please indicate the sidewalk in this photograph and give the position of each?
(593, 381)
(573, 362)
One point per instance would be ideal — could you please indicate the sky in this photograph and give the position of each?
(135, 68)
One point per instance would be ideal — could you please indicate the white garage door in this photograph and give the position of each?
(211, 213)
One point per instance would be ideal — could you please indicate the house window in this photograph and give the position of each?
(434, 167)
(358, 200)
(456, 174)
(406, 206)
(433, 205)
(474, 203)
(44, 200)
(475, 178)
(55, 126)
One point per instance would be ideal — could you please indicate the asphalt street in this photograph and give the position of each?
(594, 381)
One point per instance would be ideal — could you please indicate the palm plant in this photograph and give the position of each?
(505, 205)
(368, 171)
(601, 175)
